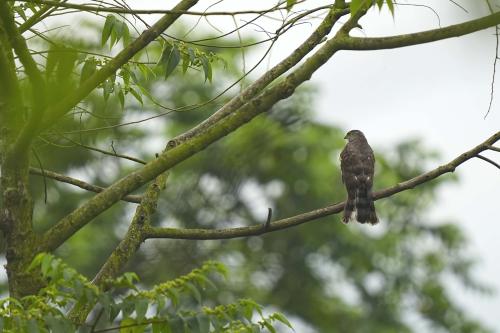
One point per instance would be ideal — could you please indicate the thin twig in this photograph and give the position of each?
(488, 160)
(494, 148)
(79, 183)
(269, 216)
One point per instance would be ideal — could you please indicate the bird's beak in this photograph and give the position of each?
(345, 137)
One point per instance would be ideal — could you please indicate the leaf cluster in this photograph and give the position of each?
(167, 307)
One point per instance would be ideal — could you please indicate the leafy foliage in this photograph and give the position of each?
(167, 307)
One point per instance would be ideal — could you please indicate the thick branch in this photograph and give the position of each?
(154, 232)
(79, 183)
(111, 67)
(456, 30)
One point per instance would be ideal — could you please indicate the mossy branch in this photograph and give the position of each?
(65, 228)
(417, 38)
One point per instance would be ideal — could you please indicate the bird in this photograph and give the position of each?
(357, 164)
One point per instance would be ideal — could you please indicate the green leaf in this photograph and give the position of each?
(141, 307)
(170, 58)
(127, 325)
(207, 68)
(20, 12)
(37, 261)
(185, 63)
(121, 96)
(174, 296)
(108, 28)
(108, 88)
(32, 326)
(137, 96)
(177, 325)
(280, 317)
(46, 263)
(194, 291)
(269, 326)
(290, 4)
(88, 69)
(203, 323)
(160, 327)
(356, 5)
(390, 4)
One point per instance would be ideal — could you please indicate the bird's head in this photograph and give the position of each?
(354, 135)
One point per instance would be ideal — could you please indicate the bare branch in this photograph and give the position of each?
(201, 234)
(79, 183)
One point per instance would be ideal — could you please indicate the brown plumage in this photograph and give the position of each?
(357, 164)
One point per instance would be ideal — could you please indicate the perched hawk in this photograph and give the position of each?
(357, 164)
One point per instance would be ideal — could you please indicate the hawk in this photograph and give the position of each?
(357, 164)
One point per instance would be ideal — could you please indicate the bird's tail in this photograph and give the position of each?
(365, 208)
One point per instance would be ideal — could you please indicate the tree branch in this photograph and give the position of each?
(112, 66)
(79, 183)
(456, 30)
(70, 224)
(130, 243)
(495, 164)
(205, 234)
(122, 10)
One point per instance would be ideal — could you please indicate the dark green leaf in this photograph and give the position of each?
(141, 307)
(207, 68)
(203, 323)
(173, 61)
(194, 291)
